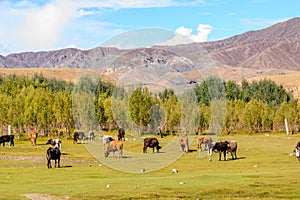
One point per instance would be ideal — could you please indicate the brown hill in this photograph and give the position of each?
(274, 47)
(274, 50)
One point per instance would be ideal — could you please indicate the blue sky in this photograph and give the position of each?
(35, 25)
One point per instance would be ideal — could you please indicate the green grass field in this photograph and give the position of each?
(265, 170)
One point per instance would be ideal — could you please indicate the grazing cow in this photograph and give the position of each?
(184, 143)
(220, 147)
(53, 154)
(106, 140)
(232, 147)
(206, 140)
(121, 134)
(7, 138)
(297, 150)
(78, 136)
(33, 136)
(151, 143)
(91, 136)
(54, 143)
(114, 146)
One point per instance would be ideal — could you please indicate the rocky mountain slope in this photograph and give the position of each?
(269, 51)
(277, 46)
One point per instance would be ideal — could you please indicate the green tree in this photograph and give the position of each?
(232, 90)
(140, 104)
(204, 116)
(252, 116)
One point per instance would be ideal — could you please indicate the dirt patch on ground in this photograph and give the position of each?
(44, 197)
(42, 159)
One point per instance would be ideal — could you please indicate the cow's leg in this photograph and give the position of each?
(225, 155)
(220, 155)
(49, 163)
(235, 157)
(58, 162)
(232, 155)
(182, 147)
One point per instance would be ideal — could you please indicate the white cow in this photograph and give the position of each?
(106, 139)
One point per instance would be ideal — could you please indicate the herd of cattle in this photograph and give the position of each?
(116, 145)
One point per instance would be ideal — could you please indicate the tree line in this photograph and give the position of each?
(53, 106)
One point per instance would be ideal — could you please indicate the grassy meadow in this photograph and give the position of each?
(265, 170)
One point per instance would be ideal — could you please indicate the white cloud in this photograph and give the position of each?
(83, 12)
(31, 25)
(185, 35)
(42, 27)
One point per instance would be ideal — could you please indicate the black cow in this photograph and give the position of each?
(53, 154)
(221, 147)
(78, 136)
(7, 138)
(151, 143)
(121, 134)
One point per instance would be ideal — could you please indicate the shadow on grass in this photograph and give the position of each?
(192, 150)
(67, 166)
(239, 158)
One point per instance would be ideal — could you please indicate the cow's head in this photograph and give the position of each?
(106, 153)
(158, 148)
(49, 141)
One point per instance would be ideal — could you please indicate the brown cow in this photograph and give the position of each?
(33, 136)
(206, 140)
(232, 147)
(184, 143)
(151, 143)
(113, 146)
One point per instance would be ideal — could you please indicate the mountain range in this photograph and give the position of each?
(269, 51)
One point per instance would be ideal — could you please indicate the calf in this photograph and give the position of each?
(203, 140)
(220, 147)
(33, 136)
(114, 146)
(54, 143)
(78, 136)
(151, 143)
(232, 147)
(184, 143)
(106, 140)
(53, 154)
(121, 134)
(7, 138)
